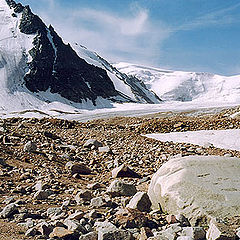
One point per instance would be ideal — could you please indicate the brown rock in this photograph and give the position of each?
(145, 233)
(60, 232)
(131, 218)
(171, 219)
(79, 168)
(124, 171)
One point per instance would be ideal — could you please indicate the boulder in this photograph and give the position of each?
(107, 230)
(63, 233)
(83, 195)
(141, 202)
(118, 188)
(30, 147)
(92, 143)
(196, 233)
(124, 171)
(41, 195)
(9, 211)
(197, 187)
(89, 236)
(79, 168)
(219, 231)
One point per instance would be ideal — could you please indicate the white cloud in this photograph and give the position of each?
(214, 18)
(133, 37)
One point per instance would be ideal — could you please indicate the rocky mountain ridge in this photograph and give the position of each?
(48, 64)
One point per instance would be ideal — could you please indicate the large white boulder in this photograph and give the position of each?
(198, 186)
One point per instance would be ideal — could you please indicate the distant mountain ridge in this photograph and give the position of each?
(185, 86)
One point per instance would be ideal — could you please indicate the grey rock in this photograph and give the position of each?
(30, 147)
(92, 143)
(105, 149)
(98, 202)
(54, 211)
(119, 188)
(196, 233)
(75, 226)
(114, 235)
(108, 231)
(40, 186)
(185, 238)
(141, 202)
(171, 233)
(89, 236)
(183, 220)
(219, 231)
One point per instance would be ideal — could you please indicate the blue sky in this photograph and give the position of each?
(191, 35)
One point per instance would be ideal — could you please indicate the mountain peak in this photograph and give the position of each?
(38, 68)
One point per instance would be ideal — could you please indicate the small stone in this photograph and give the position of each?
(94, 186)
(171, 219)
(9, 211)
(60, 232)
(182, 220)
(93, 143)
(45, 228)
(39, 186)
(79, 168)
(41, 195)
(119, 188)
(74, 225)
(124, 171)
(83, 195)
(196, 233)
(219, 231)
(141, 202)
(98, 202)
(89, 236)
(31, 232)
(184, 238)
(145, 233)
(76, 216)
(105, 149)
(54, 211)
(30, 147)
(94, 214)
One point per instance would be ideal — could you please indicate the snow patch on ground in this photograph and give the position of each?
(225, 139)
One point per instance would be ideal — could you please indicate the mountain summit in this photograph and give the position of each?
(36, 65)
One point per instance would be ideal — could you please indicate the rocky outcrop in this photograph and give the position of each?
(57, 67)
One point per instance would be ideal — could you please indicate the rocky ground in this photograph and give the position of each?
(54, 183)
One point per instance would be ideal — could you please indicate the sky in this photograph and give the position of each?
(188, 35)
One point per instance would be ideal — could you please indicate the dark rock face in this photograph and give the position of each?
(57, 67)
(138, 87)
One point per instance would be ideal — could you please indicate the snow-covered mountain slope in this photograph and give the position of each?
(186, 86)
(39, 71)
